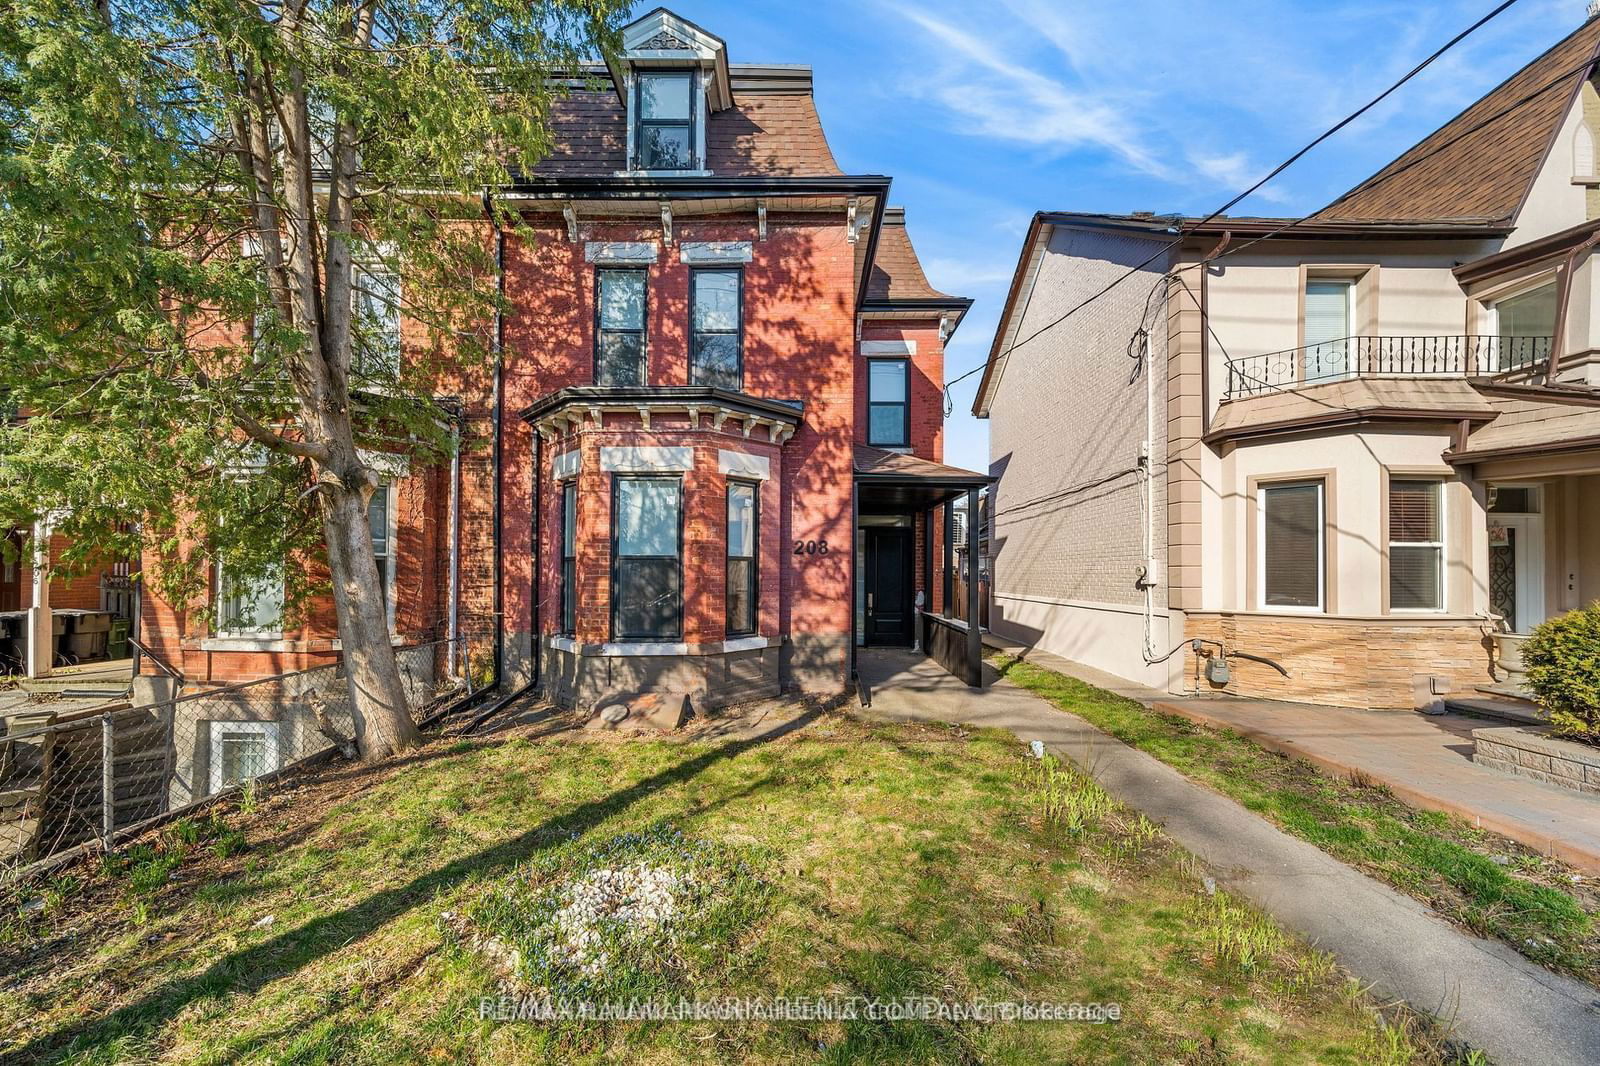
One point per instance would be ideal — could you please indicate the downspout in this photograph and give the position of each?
(1558, 343)
(497, 416)
(536, 638)
(455, 544)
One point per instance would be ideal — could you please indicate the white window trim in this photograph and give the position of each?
(1440, 544)
(1491, 301)
(275, 633)
(391, 518)
(268, 730)
(1261, 547)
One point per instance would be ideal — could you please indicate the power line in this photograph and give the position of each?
(1279, 169)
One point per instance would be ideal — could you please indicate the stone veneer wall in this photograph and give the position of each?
(1528, 753)
(1345, 662)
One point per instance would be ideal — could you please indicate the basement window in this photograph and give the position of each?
(241, 751)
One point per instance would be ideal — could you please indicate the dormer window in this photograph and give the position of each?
(671, 77)
(665, 110)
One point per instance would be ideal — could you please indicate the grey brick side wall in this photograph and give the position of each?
(1066, 423)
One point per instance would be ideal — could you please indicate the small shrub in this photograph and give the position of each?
(1563, 660)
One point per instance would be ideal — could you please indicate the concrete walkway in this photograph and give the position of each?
(1488, 995)
(1424, 760)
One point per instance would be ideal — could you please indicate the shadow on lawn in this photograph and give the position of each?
(249, 969)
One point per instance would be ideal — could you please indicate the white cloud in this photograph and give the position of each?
(1008, 100)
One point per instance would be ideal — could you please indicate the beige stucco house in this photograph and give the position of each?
(1365, 446)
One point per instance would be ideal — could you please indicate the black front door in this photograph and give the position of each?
(889, 586)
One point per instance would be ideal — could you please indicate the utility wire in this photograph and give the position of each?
(1279, 169)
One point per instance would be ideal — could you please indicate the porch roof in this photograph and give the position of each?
(888, 480)
(1532, 426)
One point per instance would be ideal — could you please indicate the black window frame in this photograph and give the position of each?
(904, 440)
(737, 333)
(644, 323)
(568, 622)
(640, 123)
(754, 559)
(676, 634)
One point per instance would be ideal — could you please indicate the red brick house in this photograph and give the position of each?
(716, 421)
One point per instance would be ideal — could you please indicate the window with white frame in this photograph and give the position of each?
(664, 135)
(1291, 546)
(1416, 545)
(375, 358)
(250, 607)
(1523, 324)
(241, 751)
(380, 515)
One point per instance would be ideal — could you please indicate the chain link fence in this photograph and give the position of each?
(95, 776)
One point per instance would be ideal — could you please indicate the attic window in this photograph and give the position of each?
(664, 132)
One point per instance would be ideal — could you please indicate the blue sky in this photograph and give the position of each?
(985, 113)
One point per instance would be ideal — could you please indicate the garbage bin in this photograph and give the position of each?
(117, 642)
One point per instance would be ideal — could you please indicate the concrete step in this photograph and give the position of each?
(1510, 709)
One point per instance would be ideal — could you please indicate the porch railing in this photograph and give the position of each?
(1374, 356)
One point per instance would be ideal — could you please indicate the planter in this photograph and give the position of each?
(1531, 753)
(1508, 658)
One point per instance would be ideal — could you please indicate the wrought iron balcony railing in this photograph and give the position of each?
(1351, 357)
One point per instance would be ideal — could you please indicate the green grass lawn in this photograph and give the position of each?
(362, 914)
(1532, 903)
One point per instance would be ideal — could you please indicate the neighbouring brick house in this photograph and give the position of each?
(718, 409)
(1365, 446)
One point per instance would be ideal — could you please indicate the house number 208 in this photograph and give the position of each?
(811, 547)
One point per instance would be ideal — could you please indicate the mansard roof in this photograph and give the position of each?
(772, 128)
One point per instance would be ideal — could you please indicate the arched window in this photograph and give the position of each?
(1583, 152)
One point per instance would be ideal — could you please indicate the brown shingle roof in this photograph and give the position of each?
(764, 133)
(877, 462)
(896, 270)
(1480, 164)
(1532, 425)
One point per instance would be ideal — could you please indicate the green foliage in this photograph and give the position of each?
(1563, 660)
(153, 168)
(1436, 858)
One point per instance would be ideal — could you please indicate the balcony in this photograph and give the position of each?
(1363, 357)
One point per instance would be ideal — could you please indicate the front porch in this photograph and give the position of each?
(905, 517)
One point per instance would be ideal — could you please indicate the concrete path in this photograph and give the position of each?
(1488, 995)
(1424, 760)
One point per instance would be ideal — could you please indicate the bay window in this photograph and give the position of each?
(1291, 545)
(1416, 546)
(664, 129)
(619, 342)
(647, 558)
(716, 328)
(569, 558)
(380, 516)
(888, 400)
(1524, 325)
(743, 508)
